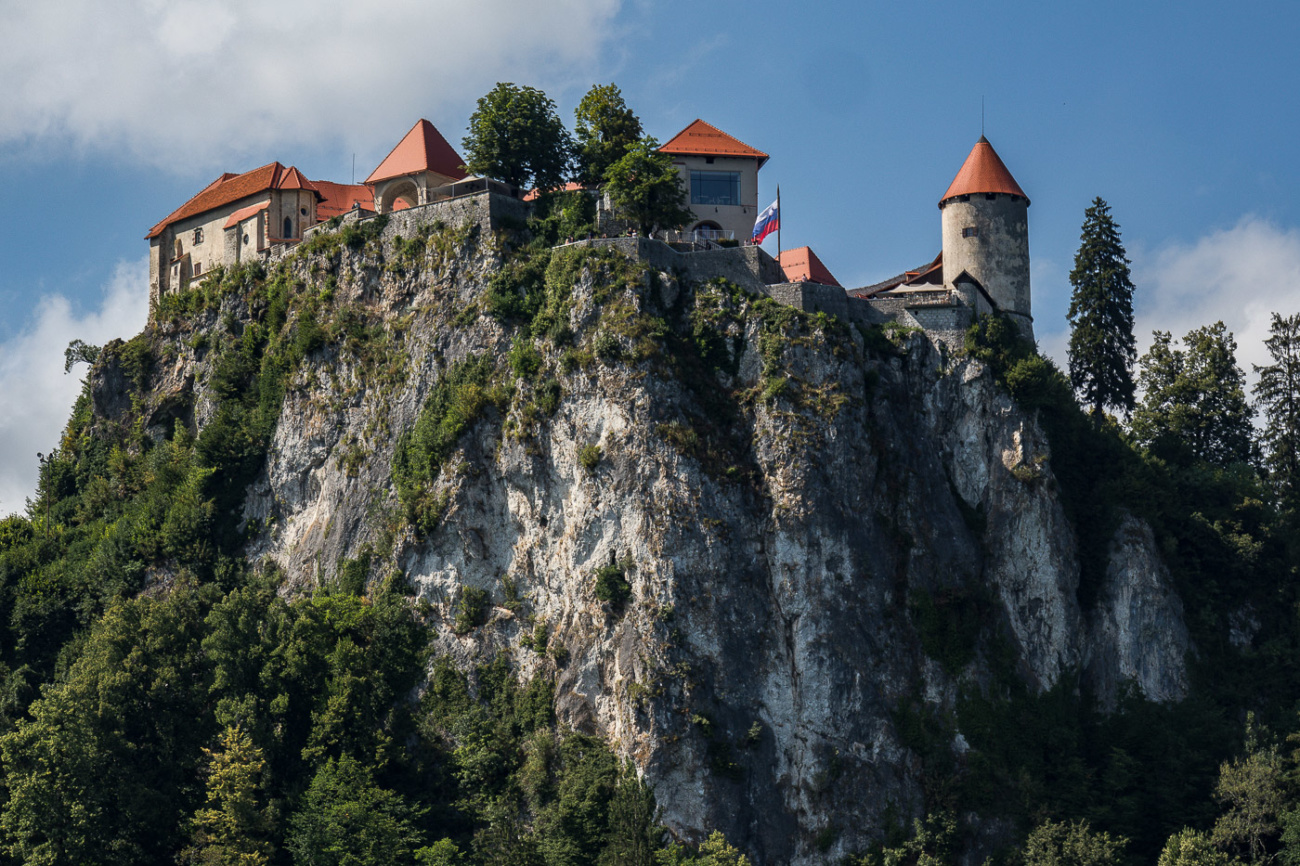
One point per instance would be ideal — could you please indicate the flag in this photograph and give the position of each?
(768, 221)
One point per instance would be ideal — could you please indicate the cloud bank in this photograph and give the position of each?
(1240, 276)
(185, 83)
(36, 396)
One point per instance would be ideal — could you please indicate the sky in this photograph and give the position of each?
(1182, 116)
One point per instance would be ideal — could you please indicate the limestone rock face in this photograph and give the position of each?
(782, 519)
(1137, 634)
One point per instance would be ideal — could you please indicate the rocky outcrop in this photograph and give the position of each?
(779, 518)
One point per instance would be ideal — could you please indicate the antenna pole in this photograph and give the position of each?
(981, 118)
(354, 167)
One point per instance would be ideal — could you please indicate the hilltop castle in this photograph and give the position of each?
(982, 267)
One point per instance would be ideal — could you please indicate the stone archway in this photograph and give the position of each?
(402, 189)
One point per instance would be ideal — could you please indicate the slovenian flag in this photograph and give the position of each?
(768, 221)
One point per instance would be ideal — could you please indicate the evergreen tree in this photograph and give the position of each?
(1194, 404)
(604, 129)
(234, 827)
(516, 136)
(1278, 394)
(1102, 348)
(646, 188)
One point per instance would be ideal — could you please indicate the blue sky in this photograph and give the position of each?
(1183, 116)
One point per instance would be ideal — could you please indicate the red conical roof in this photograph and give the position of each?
(983, 172)
(421, 149)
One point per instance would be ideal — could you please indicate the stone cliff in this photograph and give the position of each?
(808, 528)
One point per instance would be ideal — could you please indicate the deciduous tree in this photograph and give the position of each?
(1194, 402)
(604, 128)
(1102, 348)
(516, 136)
(646, 188)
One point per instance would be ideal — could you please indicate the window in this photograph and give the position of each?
(198, 268)
(288, 227)
(970, 232)
(245, 238)
(198, 236)
(715, 187)
(302, 210)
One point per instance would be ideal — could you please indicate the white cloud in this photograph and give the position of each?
(36, 396)
(1239, 276)
(185, 83)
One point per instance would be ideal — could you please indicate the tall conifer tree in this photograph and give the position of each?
(1102, 348)
(1278, 393)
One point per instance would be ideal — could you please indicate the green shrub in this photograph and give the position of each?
(607, 347)
(472, 611)
(589, 457)
(525, 360)
(612, 586)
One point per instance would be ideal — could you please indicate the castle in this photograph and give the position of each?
(982, 266)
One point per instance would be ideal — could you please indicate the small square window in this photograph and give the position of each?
(970, 232)
(198, 268)
(198, 236)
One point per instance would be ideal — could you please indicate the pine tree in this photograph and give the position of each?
(1102, 348)
(1194, 399)
(1278, 395)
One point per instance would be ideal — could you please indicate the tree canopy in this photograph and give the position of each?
(516, 136)
(1194, 399)
(1102, 348)
(646, 188)
(604, 128)
(1278, 394)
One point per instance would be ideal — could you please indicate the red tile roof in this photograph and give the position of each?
(230, 188)
(983, 172)
(244, 213)
(421, 149)
(337, 198)
(803, 265)
(532, 194)
(705, 139)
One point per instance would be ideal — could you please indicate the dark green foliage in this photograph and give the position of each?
(455, 403)
(472, 611)
(525, 361)
(604, 128)
(1102, 348)
(1194, 403)
(79, 352)
(646, 188)
(612, 586)
(559, 217)
(1055, 843)
(516, 137)
(949, 623)
(1278, 395)
(346, 819)
(136, 357)
(353, 574)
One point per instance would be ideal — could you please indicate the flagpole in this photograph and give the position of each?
(778, 222)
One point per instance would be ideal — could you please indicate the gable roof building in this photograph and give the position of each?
(421, 161)
(802, 265)
(720, 173)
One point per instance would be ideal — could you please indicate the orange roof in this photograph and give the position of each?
(338, 198)
(705, 139)
(983, 172)
(244, 213)
(230, 188)
(421, 149)
(802, 265)
(571, 186)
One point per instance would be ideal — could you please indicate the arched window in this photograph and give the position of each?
(288, 227)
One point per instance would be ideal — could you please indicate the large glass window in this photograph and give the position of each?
(715, 187)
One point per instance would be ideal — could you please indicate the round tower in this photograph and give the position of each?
(985, 217)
